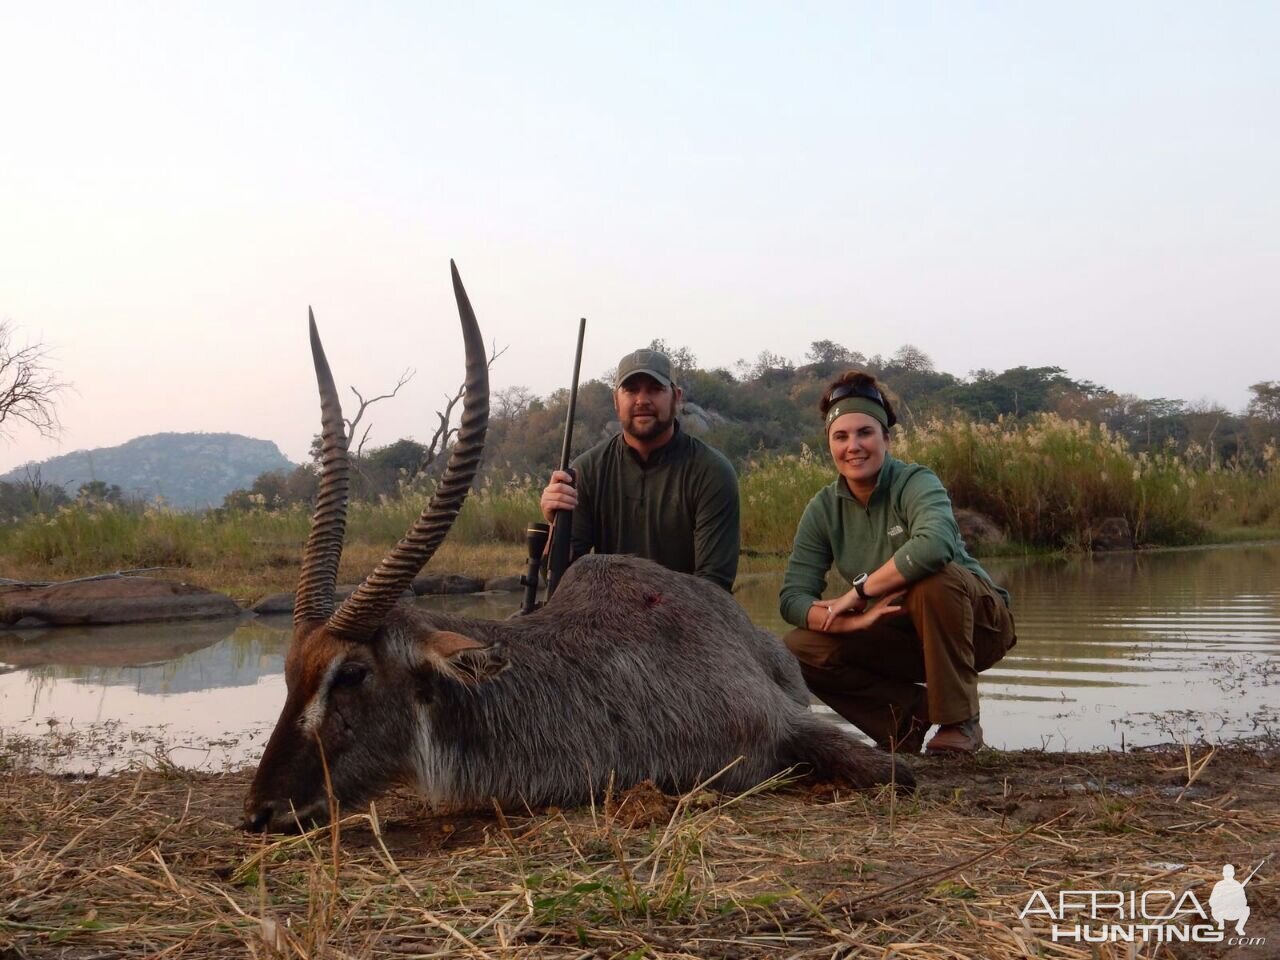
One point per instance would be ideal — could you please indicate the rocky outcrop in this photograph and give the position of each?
(698, 419)
(1113, 533)
(978, 530)
(110, 600)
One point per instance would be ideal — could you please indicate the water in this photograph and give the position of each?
(1134, 649)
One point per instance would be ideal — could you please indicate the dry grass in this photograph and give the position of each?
(150, 864)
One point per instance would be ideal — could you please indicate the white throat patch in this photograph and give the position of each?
(436, 778)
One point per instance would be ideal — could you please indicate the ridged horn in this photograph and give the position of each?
(362, 612)
(314, 600)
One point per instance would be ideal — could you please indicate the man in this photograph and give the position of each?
(652, 490)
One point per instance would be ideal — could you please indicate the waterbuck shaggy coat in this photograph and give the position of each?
(631, 672)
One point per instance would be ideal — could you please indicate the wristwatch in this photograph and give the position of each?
(860, 585)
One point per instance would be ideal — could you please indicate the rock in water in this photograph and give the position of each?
(111, 600)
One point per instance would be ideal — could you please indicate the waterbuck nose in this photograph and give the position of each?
(257, 820)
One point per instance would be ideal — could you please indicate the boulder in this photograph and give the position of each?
(1113, 533)
(978, 530)
(697, 419)
(111, 600)
(283, 602)
(274, 603)
(503, 584)
(442, 583)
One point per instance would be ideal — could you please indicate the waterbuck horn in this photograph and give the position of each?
(362, 612)
(314, 599)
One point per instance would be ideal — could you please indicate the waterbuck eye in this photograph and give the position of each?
(350, 674)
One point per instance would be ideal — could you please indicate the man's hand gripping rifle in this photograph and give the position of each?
(561, 527)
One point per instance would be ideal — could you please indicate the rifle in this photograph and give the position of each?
(562, 522)
(536, 540)
(1256, 869)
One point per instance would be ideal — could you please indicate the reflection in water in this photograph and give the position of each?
(1193, 636)
(1169, 645)
(153, 658)
(1157, 646)
(121, 646)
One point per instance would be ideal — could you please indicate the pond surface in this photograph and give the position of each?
(1135, 649)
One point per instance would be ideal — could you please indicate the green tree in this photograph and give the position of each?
(99, 492)
(912, 359)
(1263, 420)
(828, 353)
(1265, 402)
(682, 359)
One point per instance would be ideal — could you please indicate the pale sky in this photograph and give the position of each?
(1091, 186)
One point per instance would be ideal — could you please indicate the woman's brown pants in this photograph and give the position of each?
(955, 627)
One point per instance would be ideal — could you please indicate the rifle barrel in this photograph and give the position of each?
(573, 398)
(562, 523)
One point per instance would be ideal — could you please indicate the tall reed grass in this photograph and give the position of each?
(1051, 482)
(1231, 497)
(774, 490)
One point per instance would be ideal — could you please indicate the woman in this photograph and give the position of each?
(920, 610)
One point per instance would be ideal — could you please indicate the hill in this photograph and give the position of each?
(188, 470)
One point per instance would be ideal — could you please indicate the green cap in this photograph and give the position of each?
(652, 362)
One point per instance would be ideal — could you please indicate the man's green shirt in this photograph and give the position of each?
(908, 518)
(678, 508)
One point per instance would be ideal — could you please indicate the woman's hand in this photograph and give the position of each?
(864, 620)
(850, 602)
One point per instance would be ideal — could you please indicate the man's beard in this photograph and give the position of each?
(655, 428)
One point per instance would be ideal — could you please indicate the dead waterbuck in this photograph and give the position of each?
(631, 672)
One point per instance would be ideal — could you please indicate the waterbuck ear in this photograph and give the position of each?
(461, 658)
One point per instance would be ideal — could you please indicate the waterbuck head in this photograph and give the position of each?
(354, 680)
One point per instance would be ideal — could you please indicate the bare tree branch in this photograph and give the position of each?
(34, 481)
(439, 441)
(28, 388)
(366, 404)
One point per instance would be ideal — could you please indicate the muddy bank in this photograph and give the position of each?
(142, 862)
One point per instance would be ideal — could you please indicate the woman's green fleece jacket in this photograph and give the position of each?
(908, 518)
